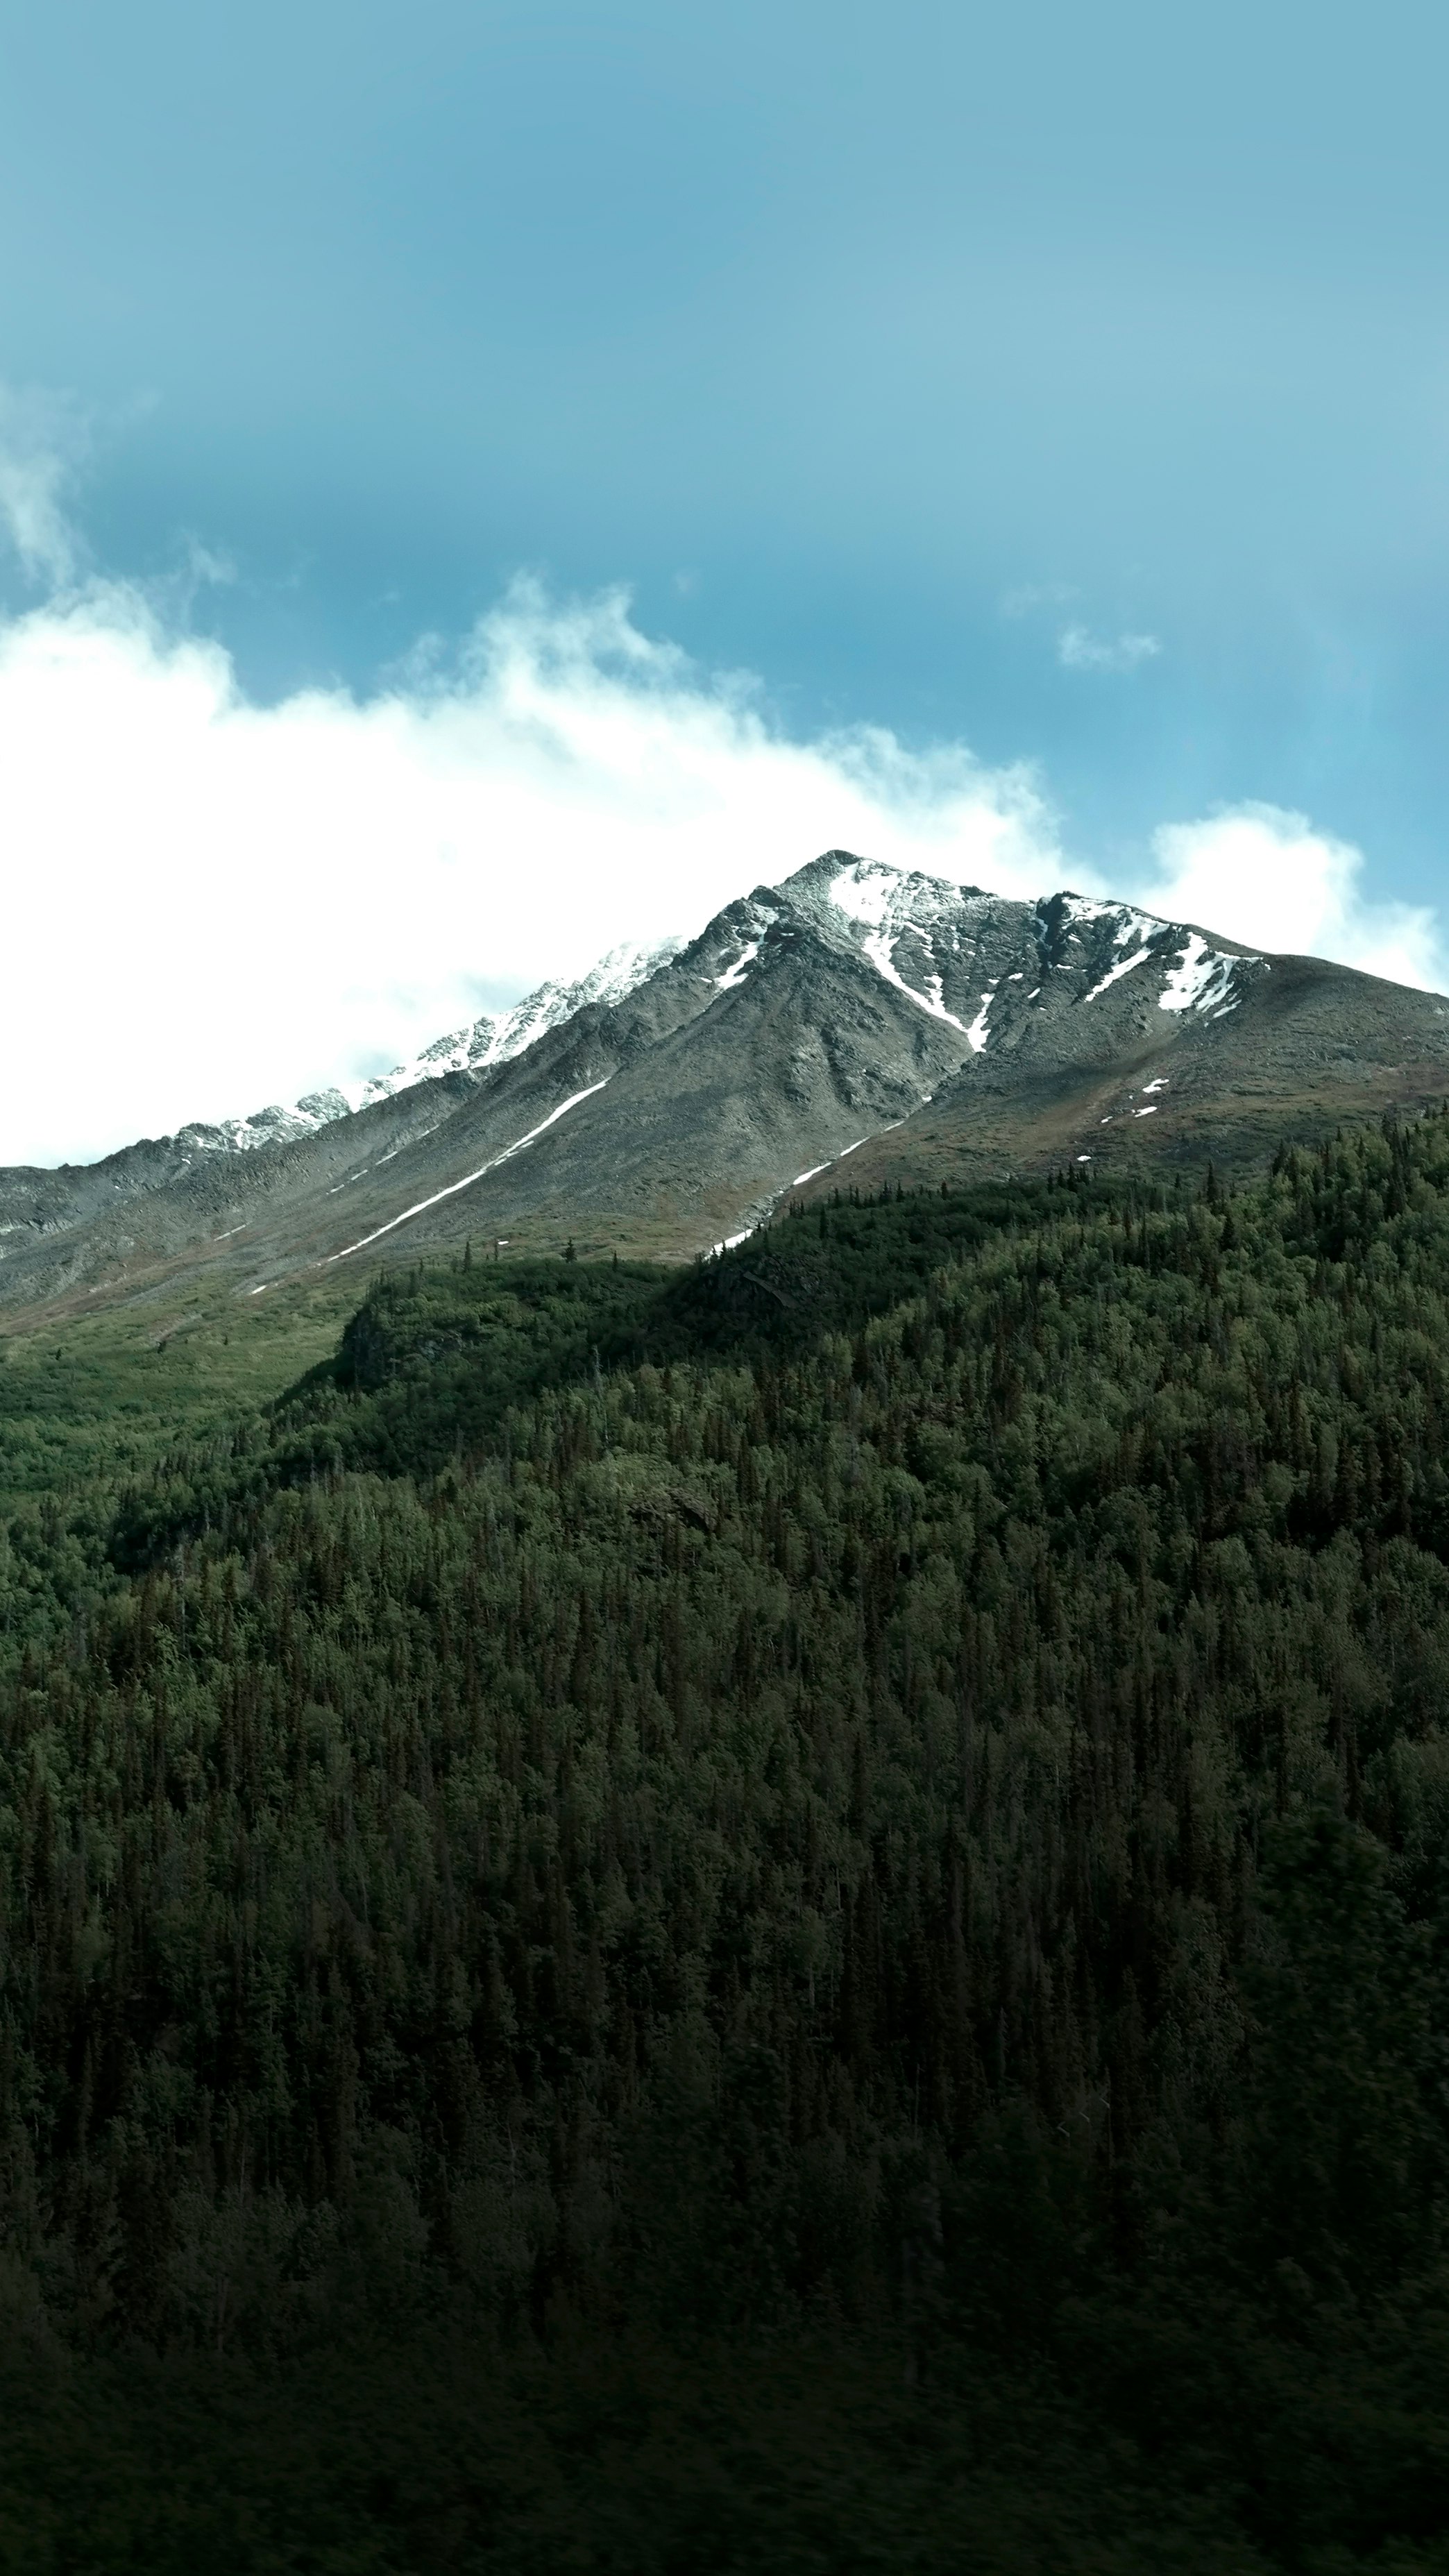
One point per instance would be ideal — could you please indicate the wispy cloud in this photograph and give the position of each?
(1079, 650)
(1029, 596)
(43, 440)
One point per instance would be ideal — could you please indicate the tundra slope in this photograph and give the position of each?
(851, 1026)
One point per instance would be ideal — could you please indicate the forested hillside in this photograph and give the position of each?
(790, 1916)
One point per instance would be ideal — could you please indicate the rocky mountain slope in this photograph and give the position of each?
(850, 1026)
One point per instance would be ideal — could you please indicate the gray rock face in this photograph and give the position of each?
(853, 1024)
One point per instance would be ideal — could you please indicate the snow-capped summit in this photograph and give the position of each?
(855, 1027)
(977, 964)
(956, 951)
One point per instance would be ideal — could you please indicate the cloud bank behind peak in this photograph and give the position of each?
(214, 904)
(220, 904)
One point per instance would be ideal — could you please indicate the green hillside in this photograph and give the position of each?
(789, 1915)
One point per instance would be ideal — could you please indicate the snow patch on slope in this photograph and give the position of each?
(977, 1033)
(877, 946)
(887, 905)
(869, 892)
(519, 1146)
(1202, 979)
(1123, 966)
(736, 974)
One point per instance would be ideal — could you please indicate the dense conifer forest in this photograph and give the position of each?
(788, 1916)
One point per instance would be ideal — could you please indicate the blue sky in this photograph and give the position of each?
(1068, 384)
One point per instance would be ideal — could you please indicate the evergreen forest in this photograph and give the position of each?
(791, 1915)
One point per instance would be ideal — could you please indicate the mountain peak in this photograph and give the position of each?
(956, 951)
(934, 941)
(858, 1024)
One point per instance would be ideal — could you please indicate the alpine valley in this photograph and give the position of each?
(852, 1027)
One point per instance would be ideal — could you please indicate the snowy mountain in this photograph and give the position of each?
(855, 1026)
(919, 933)
(935, 942)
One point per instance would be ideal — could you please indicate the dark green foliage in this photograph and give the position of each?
(434, 1358)
(630, 2460)
(883, 1798)
(429, 1365)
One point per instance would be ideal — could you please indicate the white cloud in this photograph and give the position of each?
(1262, 875)
(41, 441)
(1078, 650)
(211, 904)
(1028, 596)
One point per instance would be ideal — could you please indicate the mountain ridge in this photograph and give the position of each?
(492, 1038)
(856, 1022)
